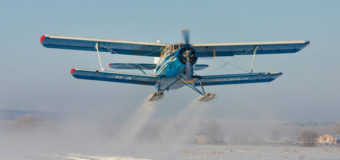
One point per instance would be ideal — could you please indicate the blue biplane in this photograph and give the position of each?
(176, 64)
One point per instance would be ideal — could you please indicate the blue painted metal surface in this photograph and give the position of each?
(247, 48)
(237, 78)
(114, 77)
(155, 49)
(86, 44)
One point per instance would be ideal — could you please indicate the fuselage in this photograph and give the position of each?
(173, 67)
(170, 66)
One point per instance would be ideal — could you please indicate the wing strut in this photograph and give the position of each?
(114, 52)
(253, 60)
(99, 59)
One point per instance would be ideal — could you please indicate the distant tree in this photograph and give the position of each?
(308, 137)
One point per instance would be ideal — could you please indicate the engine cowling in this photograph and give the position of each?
(187, 54)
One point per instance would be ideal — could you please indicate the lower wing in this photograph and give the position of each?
(236, 78)
(115, 77)
(153, 79)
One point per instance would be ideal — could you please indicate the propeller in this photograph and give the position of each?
(185, 36)
(188, 56)
(188, 70)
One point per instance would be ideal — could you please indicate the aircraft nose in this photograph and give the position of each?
(187, 54)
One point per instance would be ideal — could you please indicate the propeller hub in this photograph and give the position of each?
(187, 54)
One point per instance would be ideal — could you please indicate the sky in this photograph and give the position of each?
(38, 78)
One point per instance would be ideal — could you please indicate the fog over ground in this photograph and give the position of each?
(30, 136)
(71, 135)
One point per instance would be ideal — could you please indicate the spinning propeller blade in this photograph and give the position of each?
(188, 66)
(185, 36)
(188, 70)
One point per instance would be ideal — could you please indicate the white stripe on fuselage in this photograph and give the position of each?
(165, 65)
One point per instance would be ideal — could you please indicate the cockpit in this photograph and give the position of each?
(177, 46)
(172, 48)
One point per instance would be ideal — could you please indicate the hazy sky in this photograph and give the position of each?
(37, 78)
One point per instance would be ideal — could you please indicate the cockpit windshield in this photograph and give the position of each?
(177, 46)
(172, 48)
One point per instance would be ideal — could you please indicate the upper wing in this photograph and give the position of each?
(231, 49)
(113, 46)
(115, 77)
(236, 78)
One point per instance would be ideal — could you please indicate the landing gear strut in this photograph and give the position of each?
(205, 96)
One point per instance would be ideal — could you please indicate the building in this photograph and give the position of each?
(200, 139)
(328, 139)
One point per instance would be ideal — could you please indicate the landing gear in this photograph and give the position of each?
(207, 97)
(156, 96)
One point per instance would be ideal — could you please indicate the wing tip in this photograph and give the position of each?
(72, 71)
(307, 43)
(42, 39)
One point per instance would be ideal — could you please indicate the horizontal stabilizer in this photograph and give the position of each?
(237, 78)
(201, 66)
(146, 66)
(115, 77)
(132, 66)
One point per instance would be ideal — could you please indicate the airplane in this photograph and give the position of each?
(176, 62)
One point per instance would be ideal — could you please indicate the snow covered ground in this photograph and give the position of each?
(213, 152)
(260, 152)
(83, 139)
